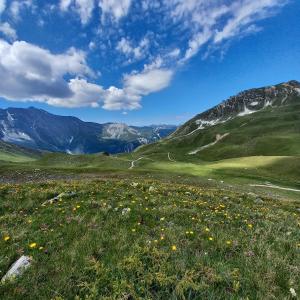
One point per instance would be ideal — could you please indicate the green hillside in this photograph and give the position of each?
(13, 153)
(270, 132)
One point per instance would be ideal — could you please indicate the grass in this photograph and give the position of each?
(174, 242)
(13, 153)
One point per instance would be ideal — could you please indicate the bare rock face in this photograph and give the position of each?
(17, 268)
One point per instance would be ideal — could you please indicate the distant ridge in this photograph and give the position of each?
(39, 129)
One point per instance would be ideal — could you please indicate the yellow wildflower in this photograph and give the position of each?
(6, 238)
(228, 242)
(250, 225)
(211, 238)
(174, 248)
(32, 245)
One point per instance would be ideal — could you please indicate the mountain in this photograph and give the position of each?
(38, 129)
(262, 121)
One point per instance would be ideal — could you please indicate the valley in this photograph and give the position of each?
(211, 211)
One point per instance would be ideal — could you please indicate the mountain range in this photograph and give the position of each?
(38, 129)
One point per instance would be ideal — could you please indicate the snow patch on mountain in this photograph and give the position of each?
(246, 112)
(15, 136)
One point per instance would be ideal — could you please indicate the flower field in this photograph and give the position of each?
(144, 239)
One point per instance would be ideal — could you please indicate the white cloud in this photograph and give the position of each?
(64, 4)
(138, 52)
(135, 86)
(114, 9)
(8, 31)
(183, 29)
(244, 15)
(17, 6)
(2, 6)
(30, 73)
(83, 7)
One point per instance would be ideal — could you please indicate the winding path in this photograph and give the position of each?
(275, 187)
(134, 161)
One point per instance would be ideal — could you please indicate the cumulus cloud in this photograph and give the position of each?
(30, 73)
(135, 86)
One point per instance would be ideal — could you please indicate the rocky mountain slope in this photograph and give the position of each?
(244, 103)
(38, 129)
(263, 121)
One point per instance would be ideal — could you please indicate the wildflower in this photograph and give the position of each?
(162, 237)
(293, 292)
(32, 245)
(207, 229)
(41, 248)
(211, 238)
(133, 230)
(250, 226)
(228, 242)
(155, 241)
(78, 206)
(162, 219)
(6, 238)
(174, 248)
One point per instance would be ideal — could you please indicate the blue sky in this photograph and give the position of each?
(143, 62)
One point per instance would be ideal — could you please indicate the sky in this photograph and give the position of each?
(143, 62)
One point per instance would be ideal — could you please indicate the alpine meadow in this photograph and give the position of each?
(149, 149)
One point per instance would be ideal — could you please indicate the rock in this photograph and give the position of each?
(62, 195)
(17, 268)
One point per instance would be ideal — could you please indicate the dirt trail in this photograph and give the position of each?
(218, 139)
(275, 187)
(133, 163)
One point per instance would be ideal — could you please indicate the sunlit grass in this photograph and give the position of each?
(138, 239)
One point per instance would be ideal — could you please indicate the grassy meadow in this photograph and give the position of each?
(156, 223)
(145, 239)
